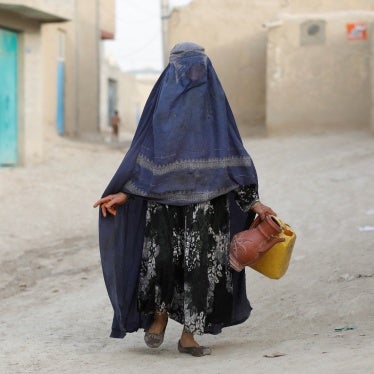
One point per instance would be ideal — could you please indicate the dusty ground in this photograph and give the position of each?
(54, 312)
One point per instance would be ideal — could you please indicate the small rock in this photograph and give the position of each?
(275, 354)
(347, 277)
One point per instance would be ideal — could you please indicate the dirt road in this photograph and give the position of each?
(55, 315)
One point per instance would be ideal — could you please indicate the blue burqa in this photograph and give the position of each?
(186, 149)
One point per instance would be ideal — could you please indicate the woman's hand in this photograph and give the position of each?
(109, 203)
(262, 210)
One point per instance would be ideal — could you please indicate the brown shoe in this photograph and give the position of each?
(154, 340)
(194, 351)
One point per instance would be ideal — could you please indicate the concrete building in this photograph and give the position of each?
(233, 35)
(21, 75)
(371, 38)
(137, 87)
(110, 98)
(318, 72)
(126, 92)
(50, 58)
(249, 56)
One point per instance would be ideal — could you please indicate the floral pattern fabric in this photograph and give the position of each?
(185, 266)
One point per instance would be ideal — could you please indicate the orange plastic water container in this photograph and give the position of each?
(248, 246)
(274, 263)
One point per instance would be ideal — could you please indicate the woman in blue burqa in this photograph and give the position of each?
(184, 188)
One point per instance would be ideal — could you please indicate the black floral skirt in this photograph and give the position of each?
(185, 265)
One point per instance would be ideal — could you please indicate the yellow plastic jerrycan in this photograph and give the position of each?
(274, 263)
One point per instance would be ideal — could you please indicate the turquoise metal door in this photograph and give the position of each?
(60, 108)
(8, 98)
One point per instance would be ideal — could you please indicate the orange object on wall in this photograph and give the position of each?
(357, 31)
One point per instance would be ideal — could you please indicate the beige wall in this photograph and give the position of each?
(50, 56)
(129, 103)
(235, 40)
(317, 87)
(109, 71)
(371, 36)
(133, 90)
(87, 55)
(30, 8)
(134, 94)
(82, 67)
(107, 18)
(233, 34)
